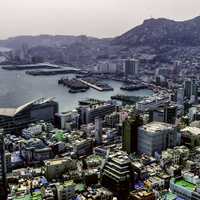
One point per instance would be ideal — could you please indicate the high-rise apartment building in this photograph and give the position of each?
(130, 67)
(190, 88)
(98, 130)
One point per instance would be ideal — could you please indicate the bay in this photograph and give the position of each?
(17, 88)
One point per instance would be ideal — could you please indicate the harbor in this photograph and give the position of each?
(96, 84)
(30, 87)
(74, 85)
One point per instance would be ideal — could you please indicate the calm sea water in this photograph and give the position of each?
(17, 88)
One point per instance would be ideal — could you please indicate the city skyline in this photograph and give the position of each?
(93, 18)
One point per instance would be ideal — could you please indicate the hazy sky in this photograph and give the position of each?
(101, 18)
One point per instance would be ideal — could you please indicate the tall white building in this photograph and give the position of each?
(180, 96)
(190, 88)
(106, 67)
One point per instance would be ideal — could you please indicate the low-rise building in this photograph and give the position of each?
(190, 136)
(56, 167)
(66, 191)
(185, 189)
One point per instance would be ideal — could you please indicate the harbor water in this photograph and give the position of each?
(17, 88)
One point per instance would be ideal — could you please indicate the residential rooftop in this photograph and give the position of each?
(185, 184)
(155, 127)
(191, 130)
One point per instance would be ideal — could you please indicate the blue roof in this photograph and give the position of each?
(43, 180)
(139, 185)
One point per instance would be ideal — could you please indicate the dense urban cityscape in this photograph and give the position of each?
(109, 117)
(143, 148)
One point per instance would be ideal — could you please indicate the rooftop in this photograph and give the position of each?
(23, 197)
(185, 184)
(170, 196)
(55, 162)
(191, 130)
(154, 127)
(69, 183)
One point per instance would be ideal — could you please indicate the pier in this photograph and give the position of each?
(92, 85)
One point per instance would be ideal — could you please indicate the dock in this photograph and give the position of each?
(92, 85)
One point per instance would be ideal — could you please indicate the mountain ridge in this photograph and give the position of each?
(154, 36)
(162, 31)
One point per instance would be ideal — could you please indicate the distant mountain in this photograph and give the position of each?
(159, 32)
(161, 37)
(80, 50)
(44, 40)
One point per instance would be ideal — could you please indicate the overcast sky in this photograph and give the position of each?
(101, 18)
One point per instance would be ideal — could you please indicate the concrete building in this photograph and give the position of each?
(90, 112)
(190, 136)
(67, 120)
(152, 102)
(32, 130)
(194, 113)
(83, 147)
(190, 88)
(131, 67)
(155, 137)
(66, 191)
(170, 112)
(166, 113)
(57, 167)
(180, 96)
(156, 115)
(112, 120)
(106, 67)
(98, 130)
(176, 156)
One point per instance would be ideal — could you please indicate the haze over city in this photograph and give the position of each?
(99, 18)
